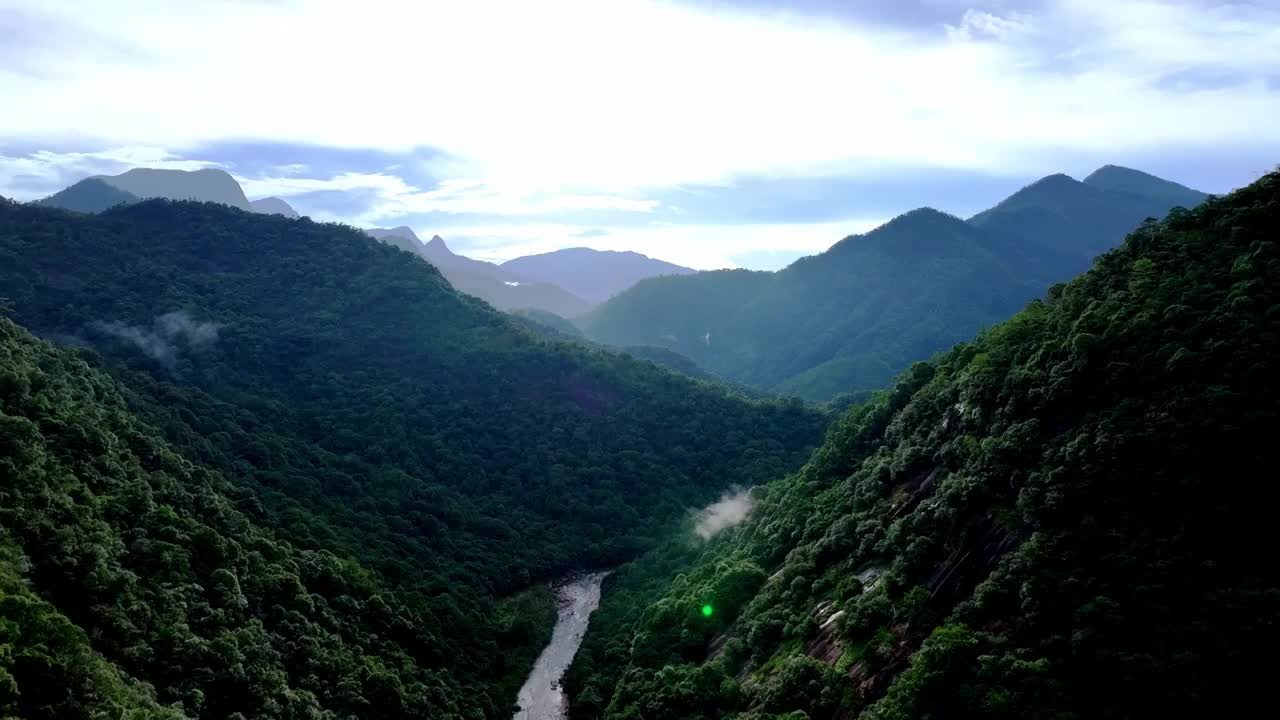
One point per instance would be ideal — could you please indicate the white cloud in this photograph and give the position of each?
(574, 97)
(291, 169)
(977, 24)
(391, 197)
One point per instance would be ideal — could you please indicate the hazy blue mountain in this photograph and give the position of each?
(851, 318)
(1136, 182)
(206, 185)
(273, 206)
(491, 283)
(89, 195)
(1060, 224)
(401, 237)
(595, 275)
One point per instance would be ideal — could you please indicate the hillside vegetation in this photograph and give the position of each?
(317, 419)
(850, 319)
(1066, 517)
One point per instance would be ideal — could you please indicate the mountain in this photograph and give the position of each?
(273, 206)
(851, 318)
(491, 283)
(401, 237)
(89, 195)
(205, 185)
(1061, 518)
(1061, 224)
(595, 275)
(1136, 182)
(285, 470)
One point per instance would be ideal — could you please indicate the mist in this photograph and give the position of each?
(732, 508)
(163, 341)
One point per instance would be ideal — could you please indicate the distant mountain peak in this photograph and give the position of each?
(89, 195)
(273, 206)
(919, 217)
(1116, 178)
(438, 242)
(204, 185)
(403, 232)
(1109, 171)
(593, 274)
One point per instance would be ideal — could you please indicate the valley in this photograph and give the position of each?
(542, 695)
(644, 360)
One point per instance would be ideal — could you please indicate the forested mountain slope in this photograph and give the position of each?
(851, 318)
(1066, 517)
(352, 406)
(132, 586)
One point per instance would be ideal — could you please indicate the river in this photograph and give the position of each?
(542, 698)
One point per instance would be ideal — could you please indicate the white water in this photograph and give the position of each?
(542, 697)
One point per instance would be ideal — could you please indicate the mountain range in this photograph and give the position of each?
(851, 318)
(1057, 518)
(101, 192)
(537, 282)
(253, 466)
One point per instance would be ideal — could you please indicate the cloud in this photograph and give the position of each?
(536, 105)
(979, 24)
(291, 169)
(731, 509)
(392, 197)
(164, 340)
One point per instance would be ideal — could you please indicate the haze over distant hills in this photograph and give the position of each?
(595, 275)
(273, 206)
(491, 283)
(851, 318)
(600, 274)
(89, 195)
(207, 184)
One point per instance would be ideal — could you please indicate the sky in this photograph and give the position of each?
(710, 133)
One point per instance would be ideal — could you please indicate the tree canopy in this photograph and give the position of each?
(292, 473)
(1065, 517)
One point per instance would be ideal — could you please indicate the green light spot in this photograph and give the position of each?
(707, 610)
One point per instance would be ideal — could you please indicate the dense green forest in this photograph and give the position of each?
(850, 319)
(1066, 517)
(291, 472)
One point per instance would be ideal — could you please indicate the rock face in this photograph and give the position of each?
(273, 206)
(207, 185)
